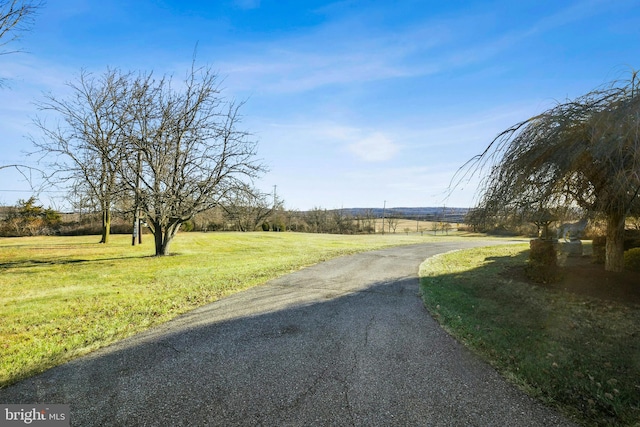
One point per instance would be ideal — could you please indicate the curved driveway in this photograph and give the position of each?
(345, 342)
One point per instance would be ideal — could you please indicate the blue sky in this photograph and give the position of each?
(353, 103)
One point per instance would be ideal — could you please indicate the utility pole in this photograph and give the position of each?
(274, 196)
(274, 227)
(137, 232)
(384, 207)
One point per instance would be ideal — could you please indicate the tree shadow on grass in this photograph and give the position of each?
(581, 276)
(52, 262)
(567, 346)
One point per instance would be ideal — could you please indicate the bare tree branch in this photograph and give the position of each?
(87, 143)
(193, 152)
(16, 16)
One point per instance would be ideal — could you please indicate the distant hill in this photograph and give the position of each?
(424, 213)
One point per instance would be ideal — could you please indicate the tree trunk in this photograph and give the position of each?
(159, 241)
(614, 249)
(106, 226)
(163, 237)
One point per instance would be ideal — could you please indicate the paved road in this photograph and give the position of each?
(346, 342)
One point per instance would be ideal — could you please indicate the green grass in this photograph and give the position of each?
(578, 354)
(61, 297)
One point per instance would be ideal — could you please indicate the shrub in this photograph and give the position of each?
(632, 259)
(542, 252)
(542, 266)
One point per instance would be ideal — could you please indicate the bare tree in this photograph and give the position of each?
(584, 152)
(295, 220)
(192, 151)
(369, 221)
(435, 227)
(393, 223)
(176, 153)
(445, 227)
(317, 218)
(248, 207)
(342, 222)
(87, 144)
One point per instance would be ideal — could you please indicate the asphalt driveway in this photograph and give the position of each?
(346, 342)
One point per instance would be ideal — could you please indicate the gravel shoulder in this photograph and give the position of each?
(344, 342)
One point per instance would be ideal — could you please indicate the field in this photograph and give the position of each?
(61, 297)
(410, 226)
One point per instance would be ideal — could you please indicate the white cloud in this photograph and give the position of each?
(366, 145)
(336, 54)
(374, 148)
(296, 71)
(330, 138)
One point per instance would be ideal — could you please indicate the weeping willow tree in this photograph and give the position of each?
(584, 152)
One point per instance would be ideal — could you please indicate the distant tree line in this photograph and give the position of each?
(247, 210)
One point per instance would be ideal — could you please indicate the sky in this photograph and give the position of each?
(353, 103)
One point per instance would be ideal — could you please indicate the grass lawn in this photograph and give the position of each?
(61, 297)
(579, 354)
